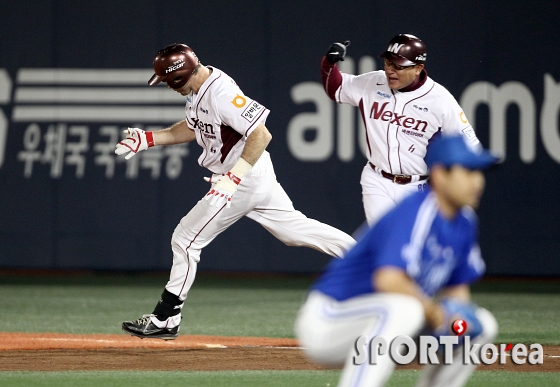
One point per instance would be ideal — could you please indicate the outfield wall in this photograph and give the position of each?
(73, 76)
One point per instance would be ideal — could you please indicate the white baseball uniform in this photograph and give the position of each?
(223, 117)
(399, 126)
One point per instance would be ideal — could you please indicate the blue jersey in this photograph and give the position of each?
(434, 251)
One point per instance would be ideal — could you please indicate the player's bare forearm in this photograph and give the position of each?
(256, 143)
(390, 279)
(177, 133)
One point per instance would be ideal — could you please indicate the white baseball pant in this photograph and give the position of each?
(328, 329)
(261, 198)
(380, 194)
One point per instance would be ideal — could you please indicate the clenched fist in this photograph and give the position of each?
(337, 51)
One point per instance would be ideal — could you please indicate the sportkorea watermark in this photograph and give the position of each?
(444, 350)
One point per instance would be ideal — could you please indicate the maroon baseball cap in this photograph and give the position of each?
(174, 64)
(405, 50)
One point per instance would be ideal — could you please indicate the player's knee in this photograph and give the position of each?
(316, 339)
(183, 250)
(409, 312)
(415, 314)
(175, 240)
(348, 242)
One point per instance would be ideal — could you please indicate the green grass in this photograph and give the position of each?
(401, 378)
(527, 311)
(239, 306)
(524, 318)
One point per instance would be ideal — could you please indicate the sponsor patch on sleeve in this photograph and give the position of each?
(239, 101)
(469, 133)
(252, 111)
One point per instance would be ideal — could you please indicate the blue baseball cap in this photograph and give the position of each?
(454, 150)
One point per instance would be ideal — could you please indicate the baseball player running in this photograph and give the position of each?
(230, 128)
(402, 108)
(386, 286)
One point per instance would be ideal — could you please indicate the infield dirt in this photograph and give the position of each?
(67, 352)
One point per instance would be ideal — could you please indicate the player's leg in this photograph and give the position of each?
(277, 214)
(403, 315)
(377, 195)
(380, 194)
(196, 230)
(328, 330)
(458, 373)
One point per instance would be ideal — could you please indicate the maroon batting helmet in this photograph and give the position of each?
(405, 50)
(174, 64)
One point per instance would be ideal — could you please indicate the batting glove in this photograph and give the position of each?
(223, 188)
(337, 52)
(136, 140)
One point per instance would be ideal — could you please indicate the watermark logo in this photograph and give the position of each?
(459, 327)
(445, 349)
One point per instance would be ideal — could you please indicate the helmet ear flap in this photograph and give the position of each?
(177, 80)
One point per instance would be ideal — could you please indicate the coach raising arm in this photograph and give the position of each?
(402, 109)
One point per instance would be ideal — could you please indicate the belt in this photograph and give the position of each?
(398, 179)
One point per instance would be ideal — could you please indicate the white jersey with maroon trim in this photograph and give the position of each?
(400, 124)
(222, 118)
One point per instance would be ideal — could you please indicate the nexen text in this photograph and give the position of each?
(203, 127)
(393, 118)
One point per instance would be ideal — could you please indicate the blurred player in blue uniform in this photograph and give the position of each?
(392, 281)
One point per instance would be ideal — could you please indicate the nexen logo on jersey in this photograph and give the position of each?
(207, 130)
(378, 112)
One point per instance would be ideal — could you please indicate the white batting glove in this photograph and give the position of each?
(136, 140)
(223, 188)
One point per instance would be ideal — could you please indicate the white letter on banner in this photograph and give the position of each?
(549, 117)
(321, 147)
(498, 99)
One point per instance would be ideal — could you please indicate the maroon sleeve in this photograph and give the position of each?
(331, 77)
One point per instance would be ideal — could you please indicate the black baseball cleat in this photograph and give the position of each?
(145, 328)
